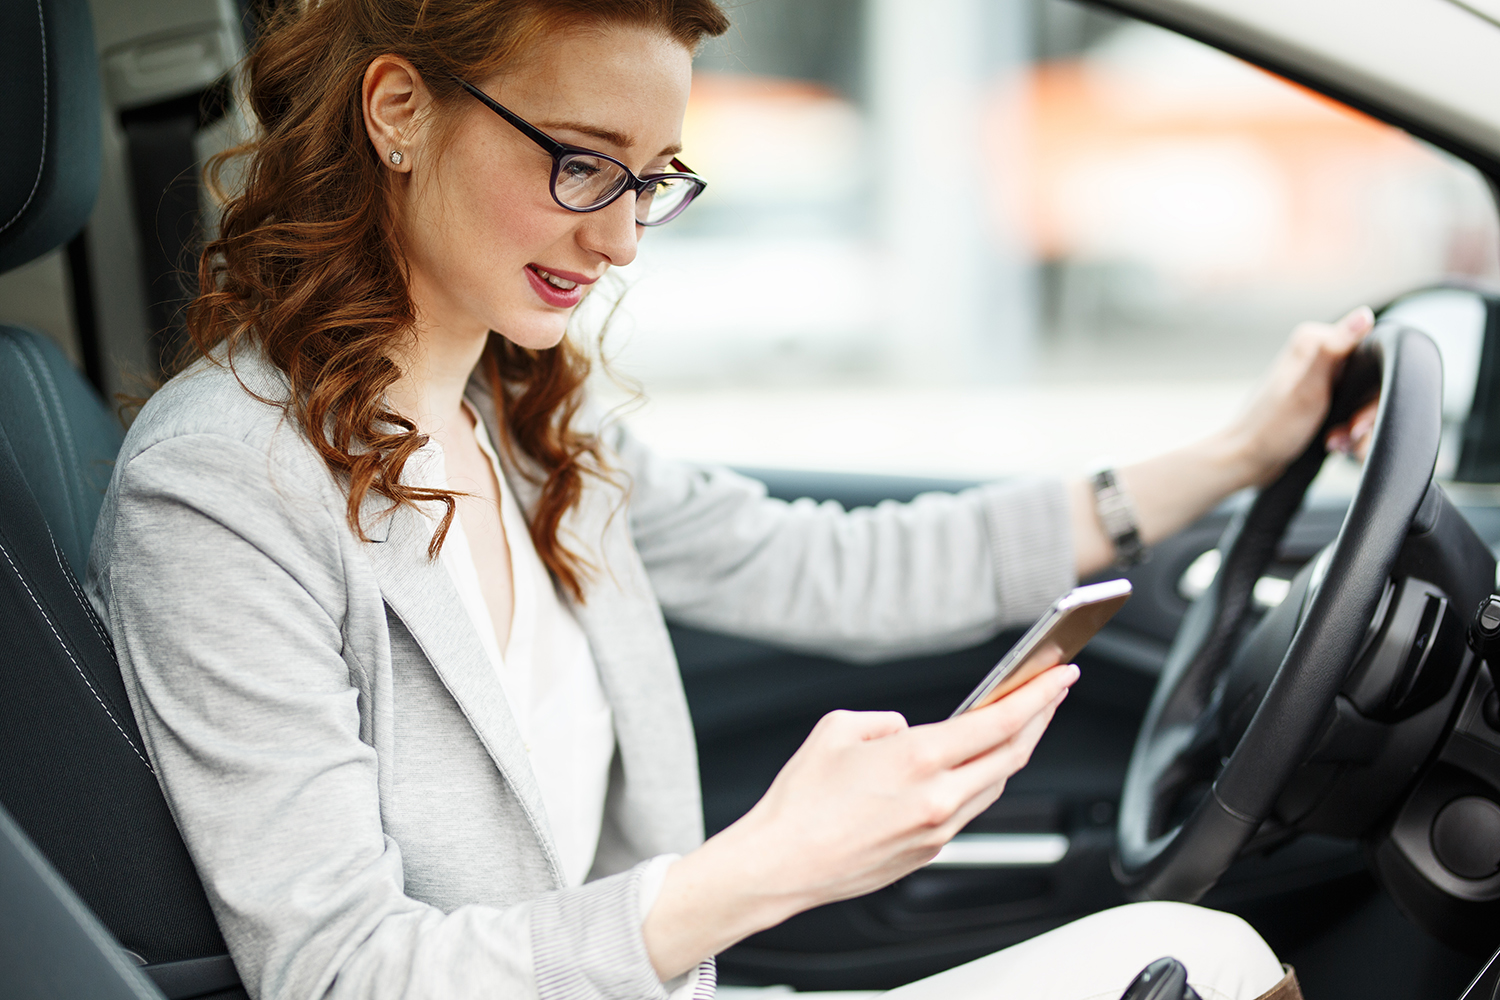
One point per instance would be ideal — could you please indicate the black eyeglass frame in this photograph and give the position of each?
(559, 151)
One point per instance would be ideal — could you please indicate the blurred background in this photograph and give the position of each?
(971, 239)
(953, 238)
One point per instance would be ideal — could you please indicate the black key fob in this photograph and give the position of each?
(1163, 979)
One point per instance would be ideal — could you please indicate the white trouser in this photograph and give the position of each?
(1096, 957)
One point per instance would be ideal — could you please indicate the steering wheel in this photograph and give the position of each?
(1237, 710)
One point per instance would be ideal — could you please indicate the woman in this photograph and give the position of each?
(388, 599)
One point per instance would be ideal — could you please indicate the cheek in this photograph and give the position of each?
(508, 218)
(512, 224)
(479, 225)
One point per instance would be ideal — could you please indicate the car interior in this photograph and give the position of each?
(1294, 719)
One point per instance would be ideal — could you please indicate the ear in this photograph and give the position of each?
(393, 99)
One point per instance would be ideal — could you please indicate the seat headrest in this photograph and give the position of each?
(49, 170)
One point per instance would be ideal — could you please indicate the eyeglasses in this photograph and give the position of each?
(586, 181)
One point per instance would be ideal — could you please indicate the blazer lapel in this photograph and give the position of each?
(661, 810)
(422, 594)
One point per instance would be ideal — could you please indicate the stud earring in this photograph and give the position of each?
(396, 157)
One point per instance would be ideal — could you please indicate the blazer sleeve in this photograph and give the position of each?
(224, 592)
(941, 572)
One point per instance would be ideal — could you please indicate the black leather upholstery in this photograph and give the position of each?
(49, 170)
(63, 436)
(73, 770)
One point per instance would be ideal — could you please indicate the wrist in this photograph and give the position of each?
(1236, 454)
(745, 865)
(719, 894)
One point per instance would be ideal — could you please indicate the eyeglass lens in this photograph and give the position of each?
(585, 182)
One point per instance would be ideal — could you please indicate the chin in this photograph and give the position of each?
(534, 336)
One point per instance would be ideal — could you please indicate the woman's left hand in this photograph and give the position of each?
(1292, 402)
(1172, 490)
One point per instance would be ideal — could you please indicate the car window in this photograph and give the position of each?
(1023, 240)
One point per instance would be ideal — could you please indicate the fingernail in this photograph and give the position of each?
(1360, 319)
(1073, 674)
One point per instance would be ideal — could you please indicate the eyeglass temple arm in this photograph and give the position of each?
(544, 140)
(531, 132)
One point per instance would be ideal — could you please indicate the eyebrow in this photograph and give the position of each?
(617, 139)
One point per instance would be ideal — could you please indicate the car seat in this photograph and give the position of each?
(73, 768)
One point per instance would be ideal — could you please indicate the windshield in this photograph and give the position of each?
(1040, 240)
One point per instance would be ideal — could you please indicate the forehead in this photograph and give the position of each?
(627, 79)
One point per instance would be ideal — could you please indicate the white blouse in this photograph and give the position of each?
(546, 670)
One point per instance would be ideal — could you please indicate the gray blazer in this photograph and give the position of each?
(338, 751)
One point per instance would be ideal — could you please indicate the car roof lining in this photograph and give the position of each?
(1204, 22)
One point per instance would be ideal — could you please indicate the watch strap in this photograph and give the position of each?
(1117, 514)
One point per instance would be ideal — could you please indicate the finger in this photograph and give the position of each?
(966, 813)
(987, 797)
(1357, 322)
(1326, 344)
(876, 725)
(853, 727)
(1362, 433)
(979, 782)
(1009, 757)
(975, 732)
(1349, 437)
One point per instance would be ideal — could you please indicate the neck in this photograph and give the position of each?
(435, 370)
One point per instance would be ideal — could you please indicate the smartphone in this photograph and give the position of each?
(1056, 638)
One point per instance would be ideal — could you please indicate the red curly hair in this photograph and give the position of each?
(305, 267)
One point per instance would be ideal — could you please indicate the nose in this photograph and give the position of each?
(612, 231)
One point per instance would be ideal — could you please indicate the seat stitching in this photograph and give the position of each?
(56, 635)
(88, 606)
(21, 350)
(41, 164)
(75, 466)
(25, 367)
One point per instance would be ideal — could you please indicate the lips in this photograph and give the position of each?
(559, 289)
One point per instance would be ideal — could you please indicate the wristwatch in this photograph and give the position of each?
(1117, 513)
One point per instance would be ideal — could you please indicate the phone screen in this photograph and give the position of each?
(1057, 637)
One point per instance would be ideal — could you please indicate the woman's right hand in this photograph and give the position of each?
(864, 801)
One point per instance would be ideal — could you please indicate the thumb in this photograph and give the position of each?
(1356, 323)
(876, 725)
(845, 727)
